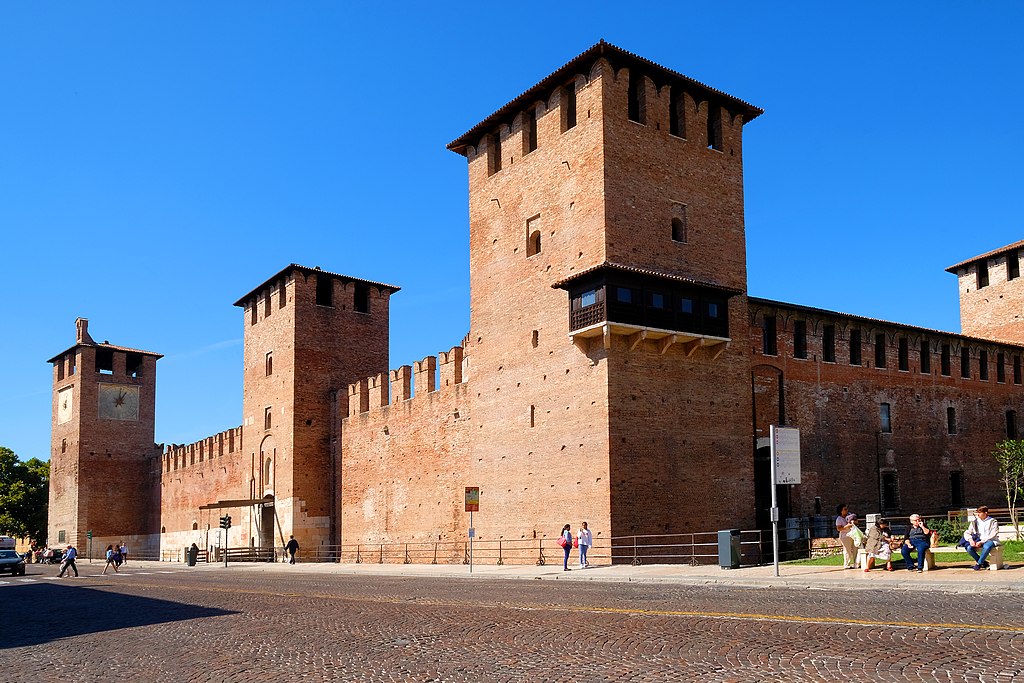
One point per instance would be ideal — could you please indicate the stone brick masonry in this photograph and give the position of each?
(615, 369)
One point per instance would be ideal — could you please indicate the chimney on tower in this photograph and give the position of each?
(82, 331)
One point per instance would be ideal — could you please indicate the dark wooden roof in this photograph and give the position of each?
(312, 271)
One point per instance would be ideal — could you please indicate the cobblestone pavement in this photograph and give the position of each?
(169, 623)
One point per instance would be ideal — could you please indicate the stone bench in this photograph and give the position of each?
(995, 558)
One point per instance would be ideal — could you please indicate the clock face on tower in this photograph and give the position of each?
(65, 404)
(119, 402)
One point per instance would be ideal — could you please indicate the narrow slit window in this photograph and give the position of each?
(530, 132)
(494, 154)
(282, 296)
(677, 114)
(533, 416)
(982, 274)
(956, 489)
(1000, 367)
(267, 300)
(533, 236)
(945, 361)
(1012, 266)
(951, 420)
(714, 126)
(569, 110)
(965, 362)
(885, 418)
(269, 363)
(679, 223)
(1011, 424)
(637, 104)
(267, 417)
(855, 348)
(1016, 369)
(903, 351)
(253, 311)
(983, 365)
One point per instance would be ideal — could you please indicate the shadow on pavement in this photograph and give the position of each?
(40, 613)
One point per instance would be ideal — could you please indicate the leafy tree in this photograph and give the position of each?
(24, 495)
(1010, 456)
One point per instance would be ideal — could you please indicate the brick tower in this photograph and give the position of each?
(608, 281)
(308, 335)
(992, 294)
(103, 461)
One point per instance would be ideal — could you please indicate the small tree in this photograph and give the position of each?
(1010, 456)
(24, 489)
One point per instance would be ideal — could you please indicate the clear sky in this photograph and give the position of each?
(158, 160)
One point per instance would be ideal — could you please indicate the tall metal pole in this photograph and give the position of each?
(472, 533)
(775, 502)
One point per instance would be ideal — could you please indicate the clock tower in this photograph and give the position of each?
(102, 452)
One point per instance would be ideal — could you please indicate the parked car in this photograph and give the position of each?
(12, 562)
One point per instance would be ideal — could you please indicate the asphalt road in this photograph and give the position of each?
(212, 624)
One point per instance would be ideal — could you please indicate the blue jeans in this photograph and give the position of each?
(986, 548)
(567, 549)
(583, 554)
(921, 546)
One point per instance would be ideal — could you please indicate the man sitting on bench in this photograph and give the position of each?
(982, 534)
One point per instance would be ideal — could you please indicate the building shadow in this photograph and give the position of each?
(44, 612)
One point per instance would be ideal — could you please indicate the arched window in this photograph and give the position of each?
(270, 363)
(195, 526)
(266, 471)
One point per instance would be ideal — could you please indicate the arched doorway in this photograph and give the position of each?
(265, 478)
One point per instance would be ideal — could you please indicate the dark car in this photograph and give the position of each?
(12, 562)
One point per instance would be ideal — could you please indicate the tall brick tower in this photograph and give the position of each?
(103, 460)
(608, 282)
(992, 294)
(308, 335)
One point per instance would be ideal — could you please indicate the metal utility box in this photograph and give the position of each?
(729, 549)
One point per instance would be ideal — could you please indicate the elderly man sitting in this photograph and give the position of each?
(917, 539)
(982, 534)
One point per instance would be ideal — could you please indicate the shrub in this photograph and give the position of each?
(950, 530)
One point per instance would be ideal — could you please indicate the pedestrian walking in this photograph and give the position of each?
(585, 539)
(110, 560)
(292, 547)
(68, 562)
(844, 524)
(566, 542)
(123, 551)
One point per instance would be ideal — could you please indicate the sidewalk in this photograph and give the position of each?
(950, 579)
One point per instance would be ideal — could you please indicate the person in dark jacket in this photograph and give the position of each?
(292, 547)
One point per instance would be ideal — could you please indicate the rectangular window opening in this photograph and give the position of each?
(926, 358)
(951, 420)
(105, 361)
(1012, 266)
(983, 365)
(133, 364)
(1001, 367)
(855, 348)
(965, 362)
(1016, 369)
(494, 153)
(880, 350)
(1011, 424)
(769, 336)
(828, 343)
(530, 132)
(253, 312)
(885, 418)
(270, 363)
(903, 353)
(324, 290)
(945, 361)
(982, 274)
(800, 339)
(361, 298)
(267, 419)
(956, 489)
(283, 297)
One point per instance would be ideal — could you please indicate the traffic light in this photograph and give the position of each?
(225, 522)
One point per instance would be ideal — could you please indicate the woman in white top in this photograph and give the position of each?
(844, 522)
(585, 540)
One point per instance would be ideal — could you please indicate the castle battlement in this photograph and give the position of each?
(180, 456)
(407, 382)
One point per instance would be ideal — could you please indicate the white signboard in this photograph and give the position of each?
(786, 454)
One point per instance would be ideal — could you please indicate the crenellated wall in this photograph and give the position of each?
(405, 454)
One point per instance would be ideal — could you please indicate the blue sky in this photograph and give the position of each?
(158, 160)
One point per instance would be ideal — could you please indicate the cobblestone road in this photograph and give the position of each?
(212, 624)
